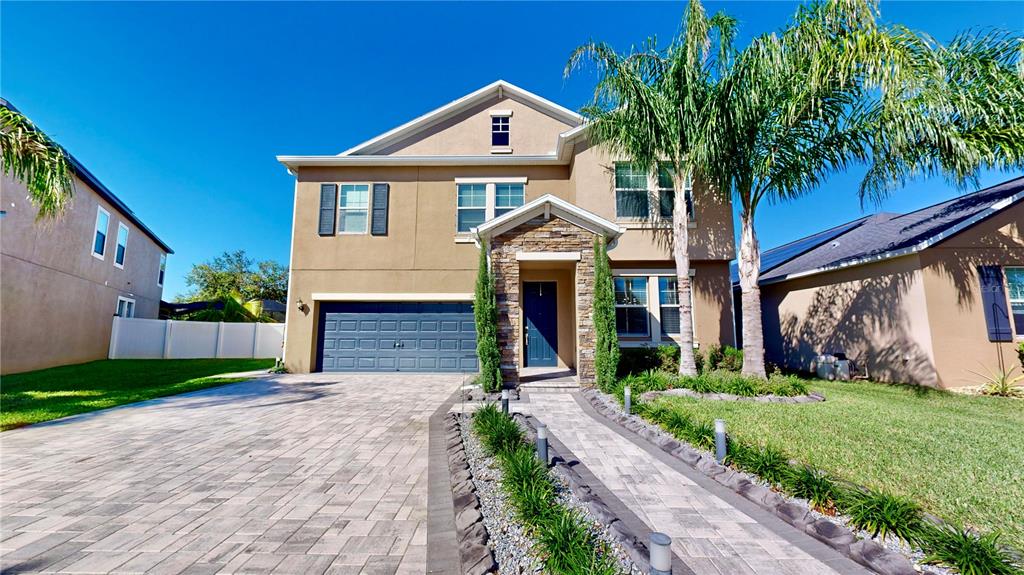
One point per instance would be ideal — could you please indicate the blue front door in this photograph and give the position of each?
(541, 310)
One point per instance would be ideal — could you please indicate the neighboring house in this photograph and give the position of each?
(926, 297)
(62, 281)
(385, 235)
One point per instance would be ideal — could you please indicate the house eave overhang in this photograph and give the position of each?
(295, 162)
(919, 247)
(549, 206)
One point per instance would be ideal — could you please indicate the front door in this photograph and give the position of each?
(541, 310)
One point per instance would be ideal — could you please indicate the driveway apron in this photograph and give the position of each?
(287, 474)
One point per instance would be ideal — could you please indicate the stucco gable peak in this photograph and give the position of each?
(499, 88)
(548, 206)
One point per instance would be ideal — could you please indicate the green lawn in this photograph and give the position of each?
(961, 457)
(61, 391)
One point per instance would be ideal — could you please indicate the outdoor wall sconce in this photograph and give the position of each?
(301, 305)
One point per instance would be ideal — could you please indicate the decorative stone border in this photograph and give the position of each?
(477, 558)
(617, 529)
(864, 551)
(683, 392)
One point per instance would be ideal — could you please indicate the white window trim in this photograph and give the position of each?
(341, 210)
(1009, 302)
(654, 217)
(161, 270)
(654, 336)
(127, 300)
(490, 202)
(117, 242)
(507, 113)
(506, 149)
(106, 234)
(646, 306)
(693, 324)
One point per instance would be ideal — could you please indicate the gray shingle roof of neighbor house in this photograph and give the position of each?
(885, 235)
(86, 176)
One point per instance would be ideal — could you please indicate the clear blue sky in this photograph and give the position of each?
(180, 108)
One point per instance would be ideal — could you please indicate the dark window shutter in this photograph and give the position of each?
(328, 208)
(379, 225)
(993, 299)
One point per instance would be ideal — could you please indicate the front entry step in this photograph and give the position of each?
(539, 379)
(549, 387)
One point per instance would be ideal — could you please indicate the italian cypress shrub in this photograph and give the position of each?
(606, 354)
(485, 312)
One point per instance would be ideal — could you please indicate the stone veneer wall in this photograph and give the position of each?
(540, 235)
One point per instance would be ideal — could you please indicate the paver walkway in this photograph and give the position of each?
(709, 534)
(290, 474)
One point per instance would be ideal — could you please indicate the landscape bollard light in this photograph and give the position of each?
(627, 400)
(720, 440)
(504, 401)
(542, 443)
(661, 554)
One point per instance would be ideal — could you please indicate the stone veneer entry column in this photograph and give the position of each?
(542, 235)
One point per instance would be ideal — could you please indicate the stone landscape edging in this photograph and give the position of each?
(476, 557)
(864, 551)
(770, 398)
(617, 529)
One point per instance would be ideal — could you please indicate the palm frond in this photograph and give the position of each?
(31, 157)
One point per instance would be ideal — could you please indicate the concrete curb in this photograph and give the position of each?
(476, 557)
(864, 551)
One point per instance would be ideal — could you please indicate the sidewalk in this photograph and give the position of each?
(714, 531)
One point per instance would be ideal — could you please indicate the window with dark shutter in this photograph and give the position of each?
(993, 299)
(379, 225)
(328, 208)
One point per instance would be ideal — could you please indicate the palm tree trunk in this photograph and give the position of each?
(681, 253)
(750, 268)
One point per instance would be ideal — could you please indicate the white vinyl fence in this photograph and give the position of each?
(135, 338)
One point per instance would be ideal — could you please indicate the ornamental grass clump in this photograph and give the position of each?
(812, 484)
(884, 515)
(970, 553)
(764, 461)
(568, 543)
(496, 430)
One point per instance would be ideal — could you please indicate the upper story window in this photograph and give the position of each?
(99, 242)
(631, 306)
(480, 200)
(1015, 285)
(354, 207)
(640, 197)
(122, 245)
(162, 271)
(500, 130)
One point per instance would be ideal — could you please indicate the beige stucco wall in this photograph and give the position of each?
(531, 132)
(915, 319)
(57, 301)
(950, 276)
(423, 255)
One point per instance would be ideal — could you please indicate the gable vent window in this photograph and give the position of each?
(499, 131)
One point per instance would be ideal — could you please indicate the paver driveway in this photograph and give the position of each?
(290, 474)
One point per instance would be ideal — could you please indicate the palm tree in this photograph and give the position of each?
(647, 107)
(836, 88)
(37, 161)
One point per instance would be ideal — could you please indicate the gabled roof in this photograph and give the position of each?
(366, 153)
(886, 235)
(86, 176)
(452, 108)
(548, 205)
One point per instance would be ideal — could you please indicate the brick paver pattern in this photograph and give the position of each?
(291, 474)
(709, 535)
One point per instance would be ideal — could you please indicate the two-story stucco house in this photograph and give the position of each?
(62, 281)
(386, 237)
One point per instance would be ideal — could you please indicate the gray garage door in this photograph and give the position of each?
(368, 336)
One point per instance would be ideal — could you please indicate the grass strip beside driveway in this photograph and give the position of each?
(36, 396)
(960, 457)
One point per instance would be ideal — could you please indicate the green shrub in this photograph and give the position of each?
(635, 360)
(969, 553)
(485, 314)
(765, 461)
(527, 483)
(882, 514)
(606, 339)
(1020, 353)
(570, 548)
(811, 484)
(786, 385)
(497, 431)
